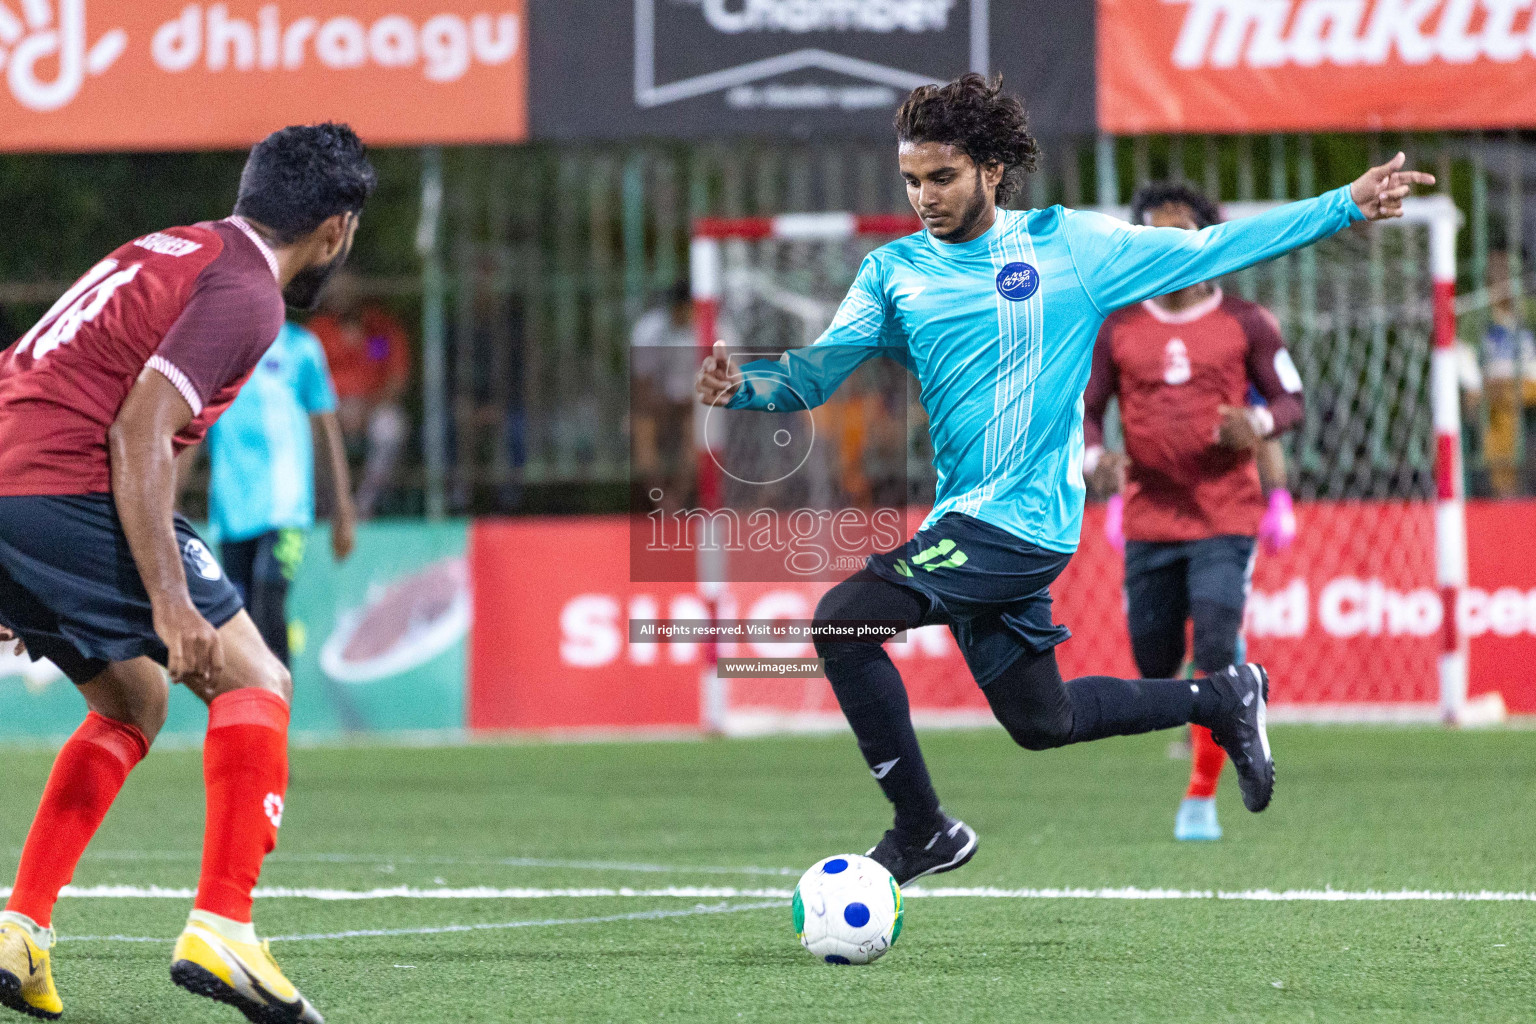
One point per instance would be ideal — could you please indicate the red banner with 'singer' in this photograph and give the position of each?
(1348, 616)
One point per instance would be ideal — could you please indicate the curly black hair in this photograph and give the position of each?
(298, 176)
(978, 118)
(1164, 193)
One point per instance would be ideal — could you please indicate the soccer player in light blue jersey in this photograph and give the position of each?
(261, 495)
(996, 312)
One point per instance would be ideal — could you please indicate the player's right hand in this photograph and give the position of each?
(1108, 476)
(717, 380)
(196, 653)
(7, 635)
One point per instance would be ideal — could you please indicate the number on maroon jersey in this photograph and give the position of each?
(76, 308)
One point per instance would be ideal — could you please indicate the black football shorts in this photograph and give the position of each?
(70, 589)
(991, 588)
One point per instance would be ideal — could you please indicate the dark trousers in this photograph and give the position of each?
(262, 568)
(1170, 583)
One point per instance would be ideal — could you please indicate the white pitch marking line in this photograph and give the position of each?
(732, 892)
(377, 933)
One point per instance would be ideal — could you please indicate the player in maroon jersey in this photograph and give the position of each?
(1183, 367)
(97, 573)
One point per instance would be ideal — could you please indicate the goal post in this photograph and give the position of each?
(1372, 599)
(717, 243)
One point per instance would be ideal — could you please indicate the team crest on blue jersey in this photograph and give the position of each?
(1018, 281)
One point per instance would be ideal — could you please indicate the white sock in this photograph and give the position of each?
(224, 928)
(43, 937)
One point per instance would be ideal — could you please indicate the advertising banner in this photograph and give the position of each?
(166, 74)
(1338, 622)
(382, 637)
(549, 649)
(378, 645)
(805, 68)
(446, 626)
(1315, 65)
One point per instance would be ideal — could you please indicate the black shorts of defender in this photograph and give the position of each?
(1169, 583)
(991, 588)
(70, 590)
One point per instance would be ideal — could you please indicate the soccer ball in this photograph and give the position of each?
(847, 910)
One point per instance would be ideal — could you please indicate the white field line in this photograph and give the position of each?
(732, 892)
(410, 860)
(451, 929)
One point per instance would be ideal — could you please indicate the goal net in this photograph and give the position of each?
(1356, 620)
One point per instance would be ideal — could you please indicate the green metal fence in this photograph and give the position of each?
(526, 271)
(560, 249)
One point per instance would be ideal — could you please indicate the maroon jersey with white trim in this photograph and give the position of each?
(1172, 373)
(198, 304)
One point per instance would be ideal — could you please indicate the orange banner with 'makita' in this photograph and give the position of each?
(1315, 65)
(81, 75)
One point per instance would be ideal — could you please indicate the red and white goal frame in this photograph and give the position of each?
(1438, 214)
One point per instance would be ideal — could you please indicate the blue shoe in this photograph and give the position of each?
(1197, 819)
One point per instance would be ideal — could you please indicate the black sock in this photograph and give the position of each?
(874, 701)
(1041, 711)
(1105, 706)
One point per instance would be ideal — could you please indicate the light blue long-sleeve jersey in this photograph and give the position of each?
(261, 451)
(1000, 332)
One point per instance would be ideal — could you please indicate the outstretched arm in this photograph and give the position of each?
(806, 377)
(1121, 264)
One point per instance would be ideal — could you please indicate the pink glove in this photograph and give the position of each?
(1114, 522)
(1278, 527)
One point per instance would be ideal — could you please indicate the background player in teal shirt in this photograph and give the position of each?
(261, 494)
(996, 312)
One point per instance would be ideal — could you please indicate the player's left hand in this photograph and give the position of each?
(1380, 191)
(1114, 522)
(1236, 429)
(7, 635)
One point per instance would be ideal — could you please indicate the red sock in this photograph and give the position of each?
(1207, 761)
(87, 775)
(245, 770)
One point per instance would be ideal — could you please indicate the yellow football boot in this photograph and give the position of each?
(26, 980)
(212, 959)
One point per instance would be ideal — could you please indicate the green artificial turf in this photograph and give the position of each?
(1355, 810)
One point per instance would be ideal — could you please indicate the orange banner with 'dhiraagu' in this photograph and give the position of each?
(1315, 65)
(79, 75)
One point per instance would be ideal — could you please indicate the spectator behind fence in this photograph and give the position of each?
(369, 355)
(487, 442)
(663, 359)
(1509, 381)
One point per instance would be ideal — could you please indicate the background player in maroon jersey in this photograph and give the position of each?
(98, 574)
(1183, 366)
